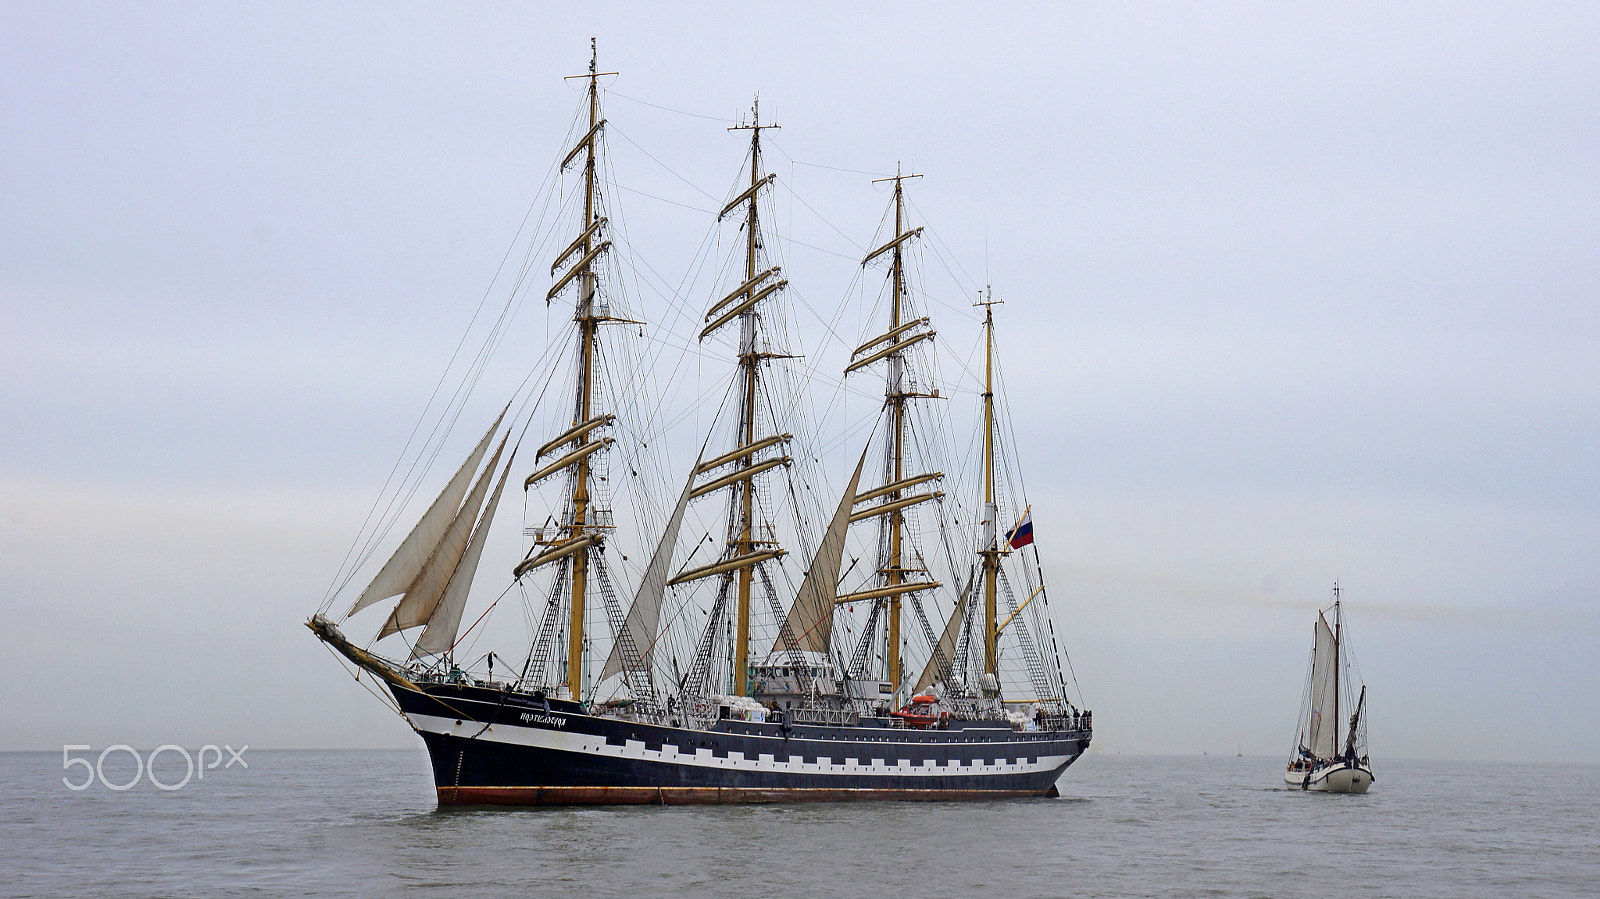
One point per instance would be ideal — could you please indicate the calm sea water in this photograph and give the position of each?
(365, 824)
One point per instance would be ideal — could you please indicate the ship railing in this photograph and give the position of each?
(1064, 723)
(837, 717)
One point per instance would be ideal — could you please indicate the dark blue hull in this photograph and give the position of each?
(489, 746)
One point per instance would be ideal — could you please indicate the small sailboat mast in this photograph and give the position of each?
(1338, 657)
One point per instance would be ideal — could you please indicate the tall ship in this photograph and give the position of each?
(1326, 758)
(784, 629)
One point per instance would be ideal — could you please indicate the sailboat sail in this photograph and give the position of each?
(644, 618)
(425, 591)
(1322, 736)
(413, 553)
(809, 624)
(440, 634)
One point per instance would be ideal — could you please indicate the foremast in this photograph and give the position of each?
(586, 331)
(575, 539)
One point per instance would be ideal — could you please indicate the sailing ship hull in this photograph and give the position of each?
(500, 747)
(1340, 777)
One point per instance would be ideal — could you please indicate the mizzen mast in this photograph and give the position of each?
(991, 551)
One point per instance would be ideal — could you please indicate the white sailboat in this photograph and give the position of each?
(1322, 762)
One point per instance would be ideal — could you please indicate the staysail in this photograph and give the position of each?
(644, 618)
(413, 553)
(809, 623)
(1322, 734)
(938, 667)
(426, 589)
(440, 634)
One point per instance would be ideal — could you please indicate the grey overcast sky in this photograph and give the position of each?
(1294, 295)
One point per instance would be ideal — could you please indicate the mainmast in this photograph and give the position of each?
(991, 551)
(745, 547)
(902, 334)
(586, 329)
(897, 402)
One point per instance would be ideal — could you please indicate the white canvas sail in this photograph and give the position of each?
(1322, 733)
(810, 621)
(939, 659)
(440, 634)
(426, 589)
(644, 618)
(419, 545)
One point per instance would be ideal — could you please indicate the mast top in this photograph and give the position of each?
(755, 120)
(897, 177)
(986, 299)
(594, 59)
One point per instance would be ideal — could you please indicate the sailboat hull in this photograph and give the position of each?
(1340, 777)
(498, 747)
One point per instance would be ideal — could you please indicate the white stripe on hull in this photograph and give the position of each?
(590, 744)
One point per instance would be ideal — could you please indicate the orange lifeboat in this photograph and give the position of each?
(920, 712)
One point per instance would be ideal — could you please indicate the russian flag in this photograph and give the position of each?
(1022, 534)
